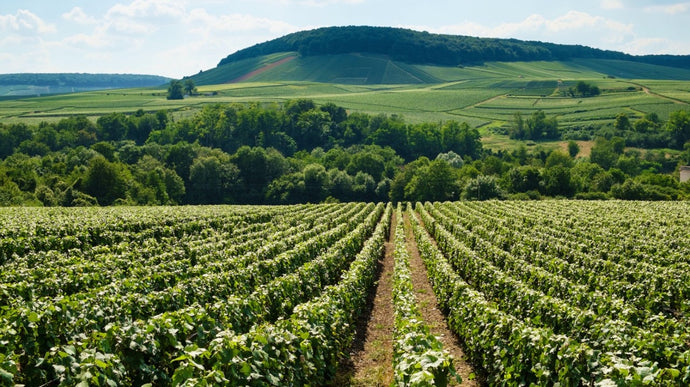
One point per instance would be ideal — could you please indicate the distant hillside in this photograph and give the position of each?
(416, 47)
(378, 69)
(52, 83)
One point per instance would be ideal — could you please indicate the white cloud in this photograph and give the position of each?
(310, 3)
(573, 21)
(147, 9)
(324, 3)
(646, 46)
(612, 4)
(670, 9)
(25, 22)
(574, 26)
(97, 40)
(78, 16)
(202, 21)
(576, 20)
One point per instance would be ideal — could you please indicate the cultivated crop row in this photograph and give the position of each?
(418, 356)
(534, 306)
(579, 293)
(148, 299)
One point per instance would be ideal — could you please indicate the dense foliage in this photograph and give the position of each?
(204, 283)
(425, 48)
(583, 293)
(300, 152)
(554, 291)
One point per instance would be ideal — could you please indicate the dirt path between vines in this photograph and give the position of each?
(371, 359)
(432, 315)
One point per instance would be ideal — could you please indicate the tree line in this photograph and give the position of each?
(302, 152)
(82, 80)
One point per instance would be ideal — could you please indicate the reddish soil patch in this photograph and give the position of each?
(262, 69)
(428, 305)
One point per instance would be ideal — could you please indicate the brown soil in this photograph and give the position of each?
(433, 317)
(371, 357)
(262, 69)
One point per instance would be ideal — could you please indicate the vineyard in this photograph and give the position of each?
(580, 293)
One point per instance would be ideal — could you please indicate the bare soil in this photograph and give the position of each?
(262, 70)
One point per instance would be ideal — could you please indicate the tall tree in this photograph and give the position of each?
(105, 181)
(175, 90)
(189, 86)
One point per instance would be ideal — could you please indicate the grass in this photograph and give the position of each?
(484, 96)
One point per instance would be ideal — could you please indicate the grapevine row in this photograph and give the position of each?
(418, 355)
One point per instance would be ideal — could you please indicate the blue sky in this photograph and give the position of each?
(180, 37)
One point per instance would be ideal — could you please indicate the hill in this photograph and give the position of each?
(414, 47)
(23, 84)
(382, 55)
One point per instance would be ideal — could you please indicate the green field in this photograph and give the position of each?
(484, 96)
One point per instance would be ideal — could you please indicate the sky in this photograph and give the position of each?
(175, 38)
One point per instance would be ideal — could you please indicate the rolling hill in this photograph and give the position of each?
(382, 55)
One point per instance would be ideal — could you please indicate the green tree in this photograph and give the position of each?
(523, 179)
(212, 181)
(584, 89)
(573, 148)
(483, 188)
(453, 159)
(622, 122)
(679, 125)
(287, 189)
(368, 162)
(424, 140)
(10, 194)
(315, 183)
(364, 187)
(583, 176)
(535, 127)
(112, 127)
(437, 181)
(158, 184)
(106, 149)
(557, 181)
(253, 171)
(403, 177)
(605, 152)
(106, 181)
(341, 185)
(558, 158)
(461, 139)
(313, 129)
(518, 128)
(181, 157)
(390, 132)
(175, 90)
(542, 127)
(189, 87)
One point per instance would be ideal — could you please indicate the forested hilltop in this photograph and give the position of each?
(425, 48)
(303, 152)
